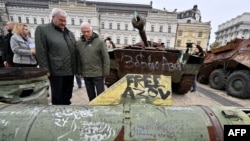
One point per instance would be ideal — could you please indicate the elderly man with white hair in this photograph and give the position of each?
(94, 60)
(55, 51)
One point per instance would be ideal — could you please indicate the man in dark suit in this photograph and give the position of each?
(7, 52)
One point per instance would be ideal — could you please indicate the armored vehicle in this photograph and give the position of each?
(152, 58)
(227, 67)
(24, 85)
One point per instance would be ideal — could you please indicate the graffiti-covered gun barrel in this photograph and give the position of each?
(133, 122)
(148, 57)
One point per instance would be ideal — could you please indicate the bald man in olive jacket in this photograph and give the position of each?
(94, 60)
(55, 51)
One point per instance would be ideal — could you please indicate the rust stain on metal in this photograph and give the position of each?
(13, 73)
(146, 62)
(211, 133)
(120, 136)
(243, 58)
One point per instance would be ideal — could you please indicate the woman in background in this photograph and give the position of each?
(22, 47)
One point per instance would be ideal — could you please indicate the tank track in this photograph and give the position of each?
(185, 84)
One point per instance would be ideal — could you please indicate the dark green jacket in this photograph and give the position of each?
(56, 50)
(93, 55)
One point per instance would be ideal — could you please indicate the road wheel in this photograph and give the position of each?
(238, 84)
(111, 78)
(202, 79)
(217, 79)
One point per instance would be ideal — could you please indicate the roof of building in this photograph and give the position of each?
(101, 6)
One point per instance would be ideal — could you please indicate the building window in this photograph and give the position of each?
(89, 21)
(27, 20)
(72, 21)
(11, 18)
(42, 20)
(178, 43)
(118, 26)
(199, 34)
(110, 25)
(102, 25)
(19, 19)
(133, 41)
(125, 40)
(80, 21)
(161, 28)
(168, 43)
(159, 40)
(199, 43)
(169, 29)
(152, 28)
(35, 21)
(126, 26)
(180, 33)
(245, 32)
(118, 40)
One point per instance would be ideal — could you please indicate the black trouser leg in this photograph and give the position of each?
(61, 89)
(99, 84)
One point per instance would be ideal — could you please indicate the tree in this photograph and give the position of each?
(214, 45)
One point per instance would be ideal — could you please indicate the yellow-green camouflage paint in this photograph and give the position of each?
(153, 89)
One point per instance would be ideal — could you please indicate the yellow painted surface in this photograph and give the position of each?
(153, 89)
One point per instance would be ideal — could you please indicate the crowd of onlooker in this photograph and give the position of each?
(55, 49)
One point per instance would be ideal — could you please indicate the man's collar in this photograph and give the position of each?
(59, 29)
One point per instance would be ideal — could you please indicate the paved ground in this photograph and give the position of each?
(196, 98)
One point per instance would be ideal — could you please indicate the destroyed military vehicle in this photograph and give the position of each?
(151, 58)
(228, 67)
(24, 85)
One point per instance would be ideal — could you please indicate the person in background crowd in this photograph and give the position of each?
(94, 60)
(199, 52)
(55, 47)
(7, 52)
(20, 43)
(78, 80)
(109, 43)
(2, 42)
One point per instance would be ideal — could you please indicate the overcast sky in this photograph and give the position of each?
(216, 11)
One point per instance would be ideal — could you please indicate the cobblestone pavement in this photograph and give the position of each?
(196, 98)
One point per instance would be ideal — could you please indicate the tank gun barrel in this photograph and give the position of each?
(139, 23)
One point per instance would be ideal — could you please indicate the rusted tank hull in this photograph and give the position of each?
(148, 57)
(123, 122)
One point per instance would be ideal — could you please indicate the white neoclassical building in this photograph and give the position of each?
(238, 27)
(109, 19)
